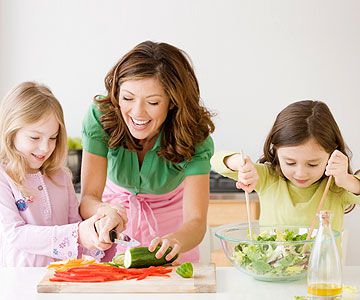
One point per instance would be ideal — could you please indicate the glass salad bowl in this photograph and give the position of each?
(275, 253)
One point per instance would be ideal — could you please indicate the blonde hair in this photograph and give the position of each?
(26, 104)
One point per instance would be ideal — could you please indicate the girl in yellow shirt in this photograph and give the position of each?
(304, 146)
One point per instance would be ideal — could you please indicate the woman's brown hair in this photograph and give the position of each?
(188, 122)
(297, 123)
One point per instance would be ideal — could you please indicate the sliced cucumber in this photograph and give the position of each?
(118, 259)
(185, 270)
(141, 257)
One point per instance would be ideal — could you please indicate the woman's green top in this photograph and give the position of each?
(156, 175)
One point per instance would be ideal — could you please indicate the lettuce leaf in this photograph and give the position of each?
(273, 259)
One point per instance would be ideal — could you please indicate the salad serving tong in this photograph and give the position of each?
(247, 199)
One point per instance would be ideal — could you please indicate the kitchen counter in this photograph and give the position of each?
(20, 283)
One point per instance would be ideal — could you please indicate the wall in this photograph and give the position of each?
(252, 58)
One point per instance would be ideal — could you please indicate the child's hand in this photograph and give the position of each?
(88, 237)
(337, 166)
(247, 174)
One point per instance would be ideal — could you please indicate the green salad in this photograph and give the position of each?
(273, 259)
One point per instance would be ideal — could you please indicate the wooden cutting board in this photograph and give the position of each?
(203, 281)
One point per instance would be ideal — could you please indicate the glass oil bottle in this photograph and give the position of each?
(325, 270)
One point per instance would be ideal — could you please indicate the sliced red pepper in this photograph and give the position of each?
(98, 273)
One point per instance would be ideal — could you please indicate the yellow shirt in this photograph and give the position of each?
(282, 203)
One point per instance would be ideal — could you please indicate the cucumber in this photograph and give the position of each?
(185, 270)
(118, 260)
(141, 257)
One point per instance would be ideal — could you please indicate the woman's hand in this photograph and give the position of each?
(337, 167)
(88, 238)
(165, 243)
(247, 174)
(112, 217)
(192, 231)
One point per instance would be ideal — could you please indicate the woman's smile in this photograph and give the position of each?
(140, 123)
(144, 107)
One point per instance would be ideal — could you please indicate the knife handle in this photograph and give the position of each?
(112, 234)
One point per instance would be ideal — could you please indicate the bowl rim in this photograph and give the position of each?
(232, 227)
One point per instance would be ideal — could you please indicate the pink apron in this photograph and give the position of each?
(149, 216)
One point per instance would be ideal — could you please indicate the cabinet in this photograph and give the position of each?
(224, 209)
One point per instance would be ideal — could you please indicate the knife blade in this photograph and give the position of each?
(124, 239)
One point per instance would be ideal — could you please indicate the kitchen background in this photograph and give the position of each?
(252, 58)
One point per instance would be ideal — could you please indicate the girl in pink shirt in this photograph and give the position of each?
(39, 218)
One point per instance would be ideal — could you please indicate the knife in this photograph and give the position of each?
(124, 239)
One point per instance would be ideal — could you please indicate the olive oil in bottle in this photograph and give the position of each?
(324, 289)
(325, 270)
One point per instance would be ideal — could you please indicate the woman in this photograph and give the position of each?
(147, 150)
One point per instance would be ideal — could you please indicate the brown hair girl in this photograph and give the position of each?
(297, 123)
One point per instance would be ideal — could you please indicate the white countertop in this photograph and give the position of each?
(20, 283)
